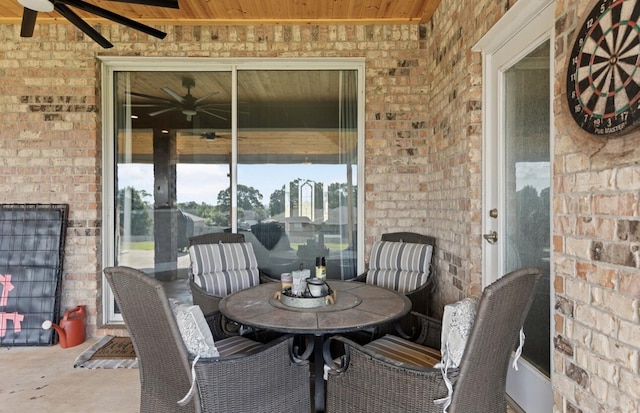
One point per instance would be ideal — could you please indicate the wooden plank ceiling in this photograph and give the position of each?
(280, 113)
(288, 91)
(266, 12)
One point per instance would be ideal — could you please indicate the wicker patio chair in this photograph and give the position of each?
(201, 298)
(208, 301)
(269, 378)
(419, 296)
(365, 380)
(391, 271)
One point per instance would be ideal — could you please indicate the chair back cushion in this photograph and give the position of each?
(195, 332)
(224, 268)
(457, 321)
(401, 266)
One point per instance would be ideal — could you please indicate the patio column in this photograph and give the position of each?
(165, 214)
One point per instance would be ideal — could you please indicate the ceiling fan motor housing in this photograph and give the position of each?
(188, 82)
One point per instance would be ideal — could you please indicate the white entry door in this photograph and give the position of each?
(518, 64)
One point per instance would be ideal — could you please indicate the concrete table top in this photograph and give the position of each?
(357, 306)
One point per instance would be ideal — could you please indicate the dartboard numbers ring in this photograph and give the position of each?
(603, 73)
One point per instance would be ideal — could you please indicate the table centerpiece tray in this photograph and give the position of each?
(329, 302)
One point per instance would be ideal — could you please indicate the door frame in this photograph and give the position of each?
(533, 22)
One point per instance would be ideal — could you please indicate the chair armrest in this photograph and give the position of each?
(421, 297)
(340, 364)
(430, 330)
(214, 323)
(205, 300)
(360, 278)
(260, 381)
(265, 278)
(362, 377)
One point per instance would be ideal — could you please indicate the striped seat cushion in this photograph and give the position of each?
(401, 266)
(223, 283)
(208, 258)
(224, 268)
(236, 345)
(408, 352)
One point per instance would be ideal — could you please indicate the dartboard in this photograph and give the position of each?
(603, 75)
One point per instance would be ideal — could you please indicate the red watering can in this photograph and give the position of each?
(72, 326)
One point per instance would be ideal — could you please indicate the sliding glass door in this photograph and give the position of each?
(166, 176)
(268, 148)
(297, 168)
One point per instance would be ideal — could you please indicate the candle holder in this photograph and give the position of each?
(326, 295)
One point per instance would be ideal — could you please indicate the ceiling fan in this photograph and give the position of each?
(187, 104)
(32, 7)
(212, 136)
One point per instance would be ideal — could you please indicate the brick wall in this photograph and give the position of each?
(50, 143)
(596, 209)
(49, 148)
(596, 240)
(454, 144)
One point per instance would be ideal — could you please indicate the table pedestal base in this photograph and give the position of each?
(318, 371)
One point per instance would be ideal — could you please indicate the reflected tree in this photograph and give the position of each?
(140, 219)
(533, 217)
(249, 199)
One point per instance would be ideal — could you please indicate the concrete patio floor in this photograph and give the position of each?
(43, 379)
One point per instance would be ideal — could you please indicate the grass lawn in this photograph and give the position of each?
(140, 246)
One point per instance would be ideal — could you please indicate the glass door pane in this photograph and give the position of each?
(297, 168)
(172, 165)
(527, 184)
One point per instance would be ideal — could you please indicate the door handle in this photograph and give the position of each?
(491, 237)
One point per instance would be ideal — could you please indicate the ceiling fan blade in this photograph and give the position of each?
(173, 94)
(99, 11)
(28, 22)
(146, 105)
(160, 112)
(82, 25)
(172, 4)
(206, 97)
(149, 97)
(210, 106)
(210, 114)
(224, 103)
(213, 107)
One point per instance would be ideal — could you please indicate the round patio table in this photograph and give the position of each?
(357, 306)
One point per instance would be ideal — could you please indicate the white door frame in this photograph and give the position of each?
(527, 24)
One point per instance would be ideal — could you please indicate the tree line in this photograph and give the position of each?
(249, 199)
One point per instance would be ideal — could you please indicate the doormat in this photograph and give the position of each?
(109, 353)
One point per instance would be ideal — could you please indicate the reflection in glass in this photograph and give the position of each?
(297, 169)
(296, 157)
(171, 165)
(527, 190)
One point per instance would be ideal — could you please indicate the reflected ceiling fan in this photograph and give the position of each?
(187, 104)
(32, 7)
(212, 136)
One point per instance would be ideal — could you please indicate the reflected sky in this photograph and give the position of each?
(535, 174)
(202, 183)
